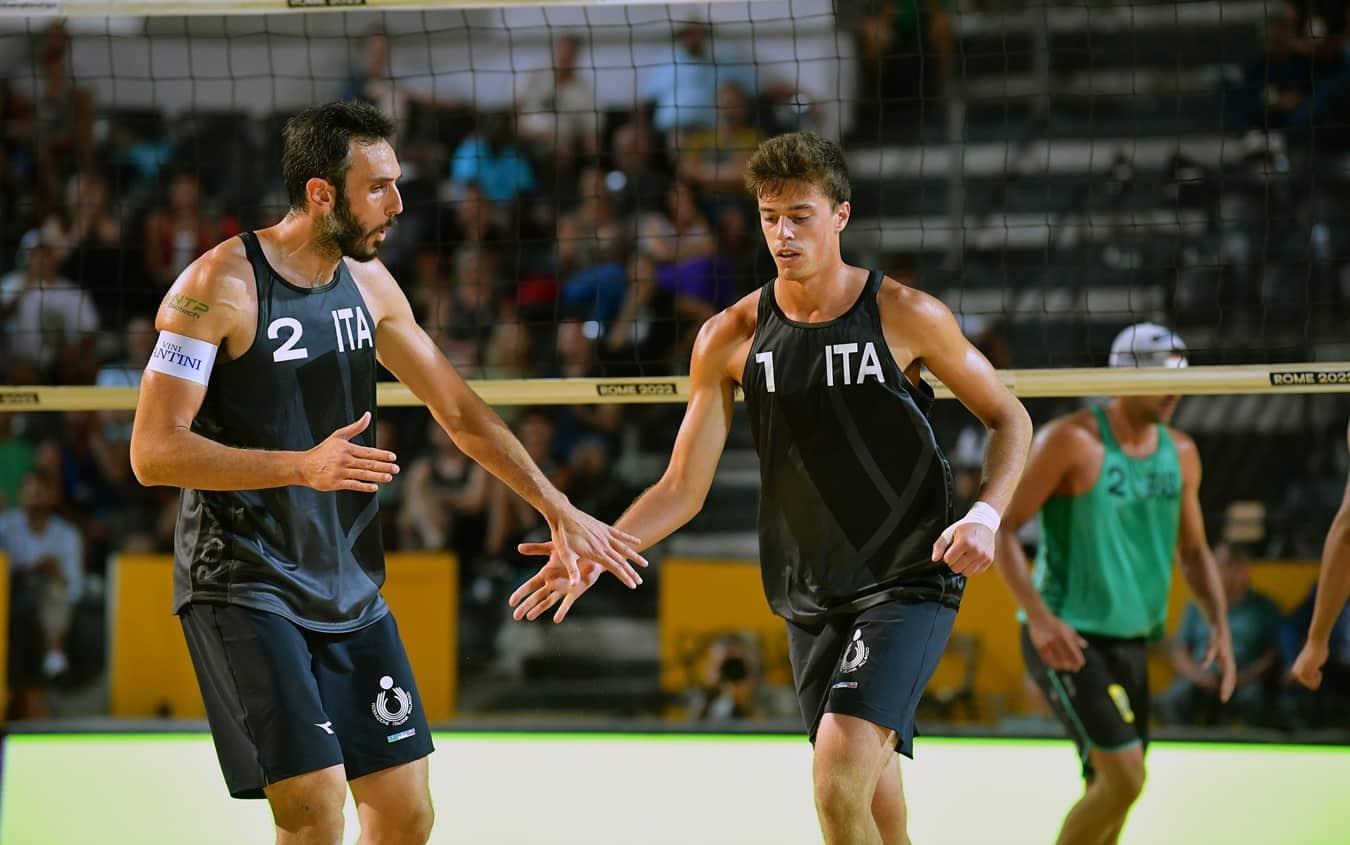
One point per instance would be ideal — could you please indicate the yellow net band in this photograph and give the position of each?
(1088, 381)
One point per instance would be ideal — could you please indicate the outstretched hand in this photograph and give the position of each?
(339, 464)
(579, 536)
(552, 584)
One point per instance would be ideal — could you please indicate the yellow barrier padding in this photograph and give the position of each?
(703, 597)
(150, 672)
(422, 589)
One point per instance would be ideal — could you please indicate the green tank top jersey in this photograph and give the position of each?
(1105, 559)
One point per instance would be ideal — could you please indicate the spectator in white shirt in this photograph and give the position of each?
(43, 314)
(46, 562)
(556, 105)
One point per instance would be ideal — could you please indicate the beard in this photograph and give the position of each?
(344, 234)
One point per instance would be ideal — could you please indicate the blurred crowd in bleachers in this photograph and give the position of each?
(563, 238)
(552, 240)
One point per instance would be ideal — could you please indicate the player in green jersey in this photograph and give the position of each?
(1117, 490)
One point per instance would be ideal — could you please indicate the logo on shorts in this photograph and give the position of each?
(327, 726)
(402, 703)
(1122, 702)
(856, 653)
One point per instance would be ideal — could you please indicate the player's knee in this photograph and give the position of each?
(839, 794)
(1123, 783)
(307, 810)
(408, 824)
(419, 823)
(312, 825)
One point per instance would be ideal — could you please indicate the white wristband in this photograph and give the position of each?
(980, 514)
(184, 357)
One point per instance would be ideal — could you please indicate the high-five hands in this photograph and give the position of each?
(553, 584)
(579, 536)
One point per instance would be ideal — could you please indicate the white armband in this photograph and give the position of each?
(980, 514)
(183, 357)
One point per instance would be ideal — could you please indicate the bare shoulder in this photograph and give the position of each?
(1185, 444)
(734, 324)
(214, 298)
(899, 301)
(222, 273)
(372, 272)
(378, 287)
(725, 338)
(1075, 433)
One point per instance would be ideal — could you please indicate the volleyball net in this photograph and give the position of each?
(1053, 172)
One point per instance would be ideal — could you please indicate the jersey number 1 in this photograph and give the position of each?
(766, 358)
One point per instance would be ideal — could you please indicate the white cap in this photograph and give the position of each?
(1147, 345)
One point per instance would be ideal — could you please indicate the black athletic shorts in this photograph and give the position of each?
(1104, 705)
(873, 665)
(283, 700)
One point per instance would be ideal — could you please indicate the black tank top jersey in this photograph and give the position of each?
(314, 557)
(854, 489)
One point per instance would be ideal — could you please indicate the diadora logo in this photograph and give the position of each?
(327, 726)
(402, 708)
(856, 653)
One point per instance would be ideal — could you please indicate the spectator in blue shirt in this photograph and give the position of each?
(684, 90)
(490, 160)
(1254, 620)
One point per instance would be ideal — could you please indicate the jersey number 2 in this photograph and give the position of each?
(287, 350)
(1115, 478)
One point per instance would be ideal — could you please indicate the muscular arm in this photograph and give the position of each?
(1197, 561)
(1061, 449)
(1333, 588)
(1054, 454)
(1333, 582)
(972, 379)
(164, 449)
(406, 350)
(679, 495)
(1200, 570)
